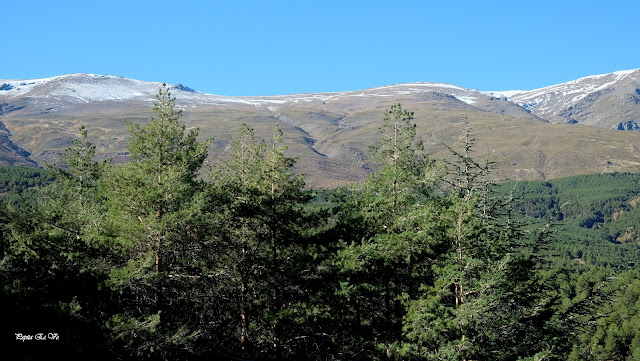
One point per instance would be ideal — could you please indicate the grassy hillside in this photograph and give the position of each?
(331, 141)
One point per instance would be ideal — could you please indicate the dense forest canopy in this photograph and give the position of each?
(162, 258)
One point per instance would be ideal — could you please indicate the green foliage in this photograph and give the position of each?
(404, 176)
(151, 260)
(482, 296)
(395, 223)
(154, 205)
(50, 263)
(259, 205)
(586, 200)
(595, 211)
(614, 334)
(161, 143)
(19, 184)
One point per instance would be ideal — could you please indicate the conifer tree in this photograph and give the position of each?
(51, 258)
(404, 173)
(478, 301)
(154, 208)
(397, 214)
(260, 202)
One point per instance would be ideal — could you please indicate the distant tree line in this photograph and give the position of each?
(161, 258)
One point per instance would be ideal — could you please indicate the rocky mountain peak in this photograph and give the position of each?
(586, 100)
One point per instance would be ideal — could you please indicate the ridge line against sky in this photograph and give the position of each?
(288, 47)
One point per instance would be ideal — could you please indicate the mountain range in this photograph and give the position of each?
(589, 125)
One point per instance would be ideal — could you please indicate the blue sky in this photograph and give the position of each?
(283, 47)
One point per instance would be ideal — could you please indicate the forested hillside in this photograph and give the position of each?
(594, 217)
(18, 184)
(164, 258)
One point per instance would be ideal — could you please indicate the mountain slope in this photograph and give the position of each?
(11, 153)
(607, 101)
(70, 94)
(330, 132)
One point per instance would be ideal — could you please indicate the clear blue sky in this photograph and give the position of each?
(284, 47)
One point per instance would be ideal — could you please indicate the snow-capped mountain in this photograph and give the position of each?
(68, 93)
(79, 88)
(607, 100)
(330, 132)
(84, 88)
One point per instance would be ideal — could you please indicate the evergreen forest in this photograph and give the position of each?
(166, 258)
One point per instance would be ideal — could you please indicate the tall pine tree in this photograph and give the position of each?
(154, 208)
(381, 268)
(259, 206)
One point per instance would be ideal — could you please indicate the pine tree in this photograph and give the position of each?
(397, 221)
(51, 259)
(479, 300)
(154, 208)
(260, 204)
(404, 176)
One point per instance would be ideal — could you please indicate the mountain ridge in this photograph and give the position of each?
(330, 132)
(23, 86)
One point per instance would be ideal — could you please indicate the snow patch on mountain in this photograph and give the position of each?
(468, 96)
(81, 87)
(502, 93)
(85, 88)
(550, 101)
(20, 87)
